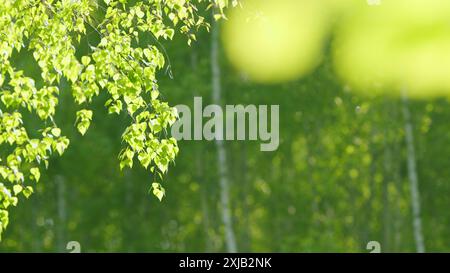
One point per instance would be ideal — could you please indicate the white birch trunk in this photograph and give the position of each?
(62, 213)
(230, 240)
(413, 179)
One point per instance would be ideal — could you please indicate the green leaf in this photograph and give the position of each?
(35, 173)
(154, 94)
(158, 191)
(56, 132)
(145, 159)
(83, 120)
(17, 189)
(14, 201)
(139, 13)
(27, 191)
(61, 145)
(83, 127)
(85, 60)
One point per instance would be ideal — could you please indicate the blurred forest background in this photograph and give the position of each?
(338, 180)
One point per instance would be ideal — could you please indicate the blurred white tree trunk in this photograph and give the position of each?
(62, 213)
(221, 152)
(200, 176)
(413, 179)
(35, 245)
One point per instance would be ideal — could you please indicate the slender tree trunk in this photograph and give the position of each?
(398, 216)
(35, 244)
(394, 113)
(386, 201)
(199, 156)
(128, 227)
(221, 152)
(387, 179)
(310, 178)
(413, 179)
(62, 213)
(368, 232)
(204, 200)
(246, 232)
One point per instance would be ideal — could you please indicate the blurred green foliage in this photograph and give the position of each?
(337, 181)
